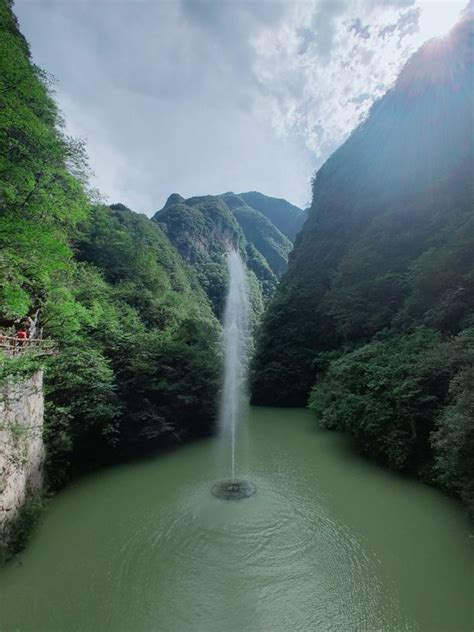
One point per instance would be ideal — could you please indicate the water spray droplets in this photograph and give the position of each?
(235, 339)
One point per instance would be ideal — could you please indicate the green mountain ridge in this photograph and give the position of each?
(289, 219)
(374, 316)
(204, 228)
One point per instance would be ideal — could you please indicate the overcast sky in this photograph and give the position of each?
(207, 96)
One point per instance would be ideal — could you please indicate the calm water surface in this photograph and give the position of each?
(330, 542)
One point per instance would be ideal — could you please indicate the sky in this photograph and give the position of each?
(206, 96)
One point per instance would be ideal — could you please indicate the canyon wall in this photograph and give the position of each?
(21, 444)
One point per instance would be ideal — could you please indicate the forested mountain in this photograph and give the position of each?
(374, 317)
(138, 359)
(289, 219)
(203, 228)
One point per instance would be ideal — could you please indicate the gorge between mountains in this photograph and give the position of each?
(253, 417)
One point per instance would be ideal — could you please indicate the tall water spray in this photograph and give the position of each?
(235, 341)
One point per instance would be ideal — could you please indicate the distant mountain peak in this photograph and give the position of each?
(202, 228)
(174, 198)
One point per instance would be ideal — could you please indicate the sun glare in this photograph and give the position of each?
(439, 16)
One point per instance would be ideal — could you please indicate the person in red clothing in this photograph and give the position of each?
(21, 336)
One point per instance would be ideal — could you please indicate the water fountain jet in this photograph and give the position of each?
(235, 340)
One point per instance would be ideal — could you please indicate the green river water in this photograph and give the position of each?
(329, 542)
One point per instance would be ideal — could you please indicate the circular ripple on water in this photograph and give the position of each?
(233, 489)
(282, 545)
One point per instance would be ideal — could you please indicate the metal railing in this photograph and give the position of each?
(11, 345)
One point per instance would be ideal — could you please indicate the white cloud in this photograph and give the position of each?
(212, 95)
(323, 67)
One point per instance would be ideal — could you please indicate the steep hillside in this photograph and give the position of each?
(289, 219)
(137, 367)
(261, 232)
(380, 284)
(204, 228)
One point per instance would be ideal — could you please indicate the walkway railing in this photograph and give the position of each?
(10, 345)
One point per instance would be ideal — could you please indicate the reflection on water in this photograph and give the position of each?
(328, 542)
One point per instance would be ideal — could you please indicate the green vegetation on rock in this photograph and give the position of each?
(138, 358)
(374, 316)
(204, 228)
(289, 219)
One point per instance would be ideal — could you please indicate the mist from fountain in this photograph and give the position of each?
(235, 343)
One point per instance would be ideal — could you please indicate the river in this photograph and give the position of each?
(329, 542)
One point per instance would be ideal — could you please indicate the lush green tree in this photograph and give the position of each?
(388, 394)
(453, 440)
(42, 175)
(83, 413)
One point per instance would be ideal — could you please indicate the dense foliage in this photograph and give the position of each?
(395, 383)
(141, 370)
(40, 198)
(375, 312)
(138, 362)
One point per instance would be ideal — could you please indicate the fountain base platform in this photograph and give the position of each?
(233, 489)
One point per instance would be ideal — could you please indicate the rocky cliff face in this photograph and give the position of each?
(21, 445)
